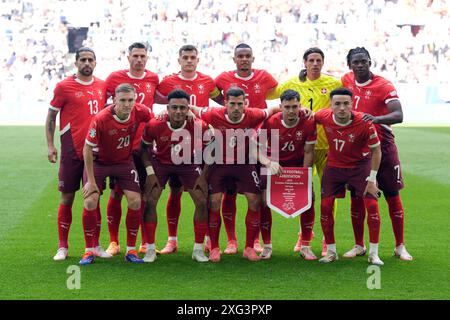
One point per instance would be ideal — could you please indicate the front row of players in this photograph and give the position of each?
(353, 161)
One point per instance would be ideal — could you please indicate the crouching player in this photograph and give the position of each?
(174, 137)
(351, 141)
(107, 153)
(297, 139)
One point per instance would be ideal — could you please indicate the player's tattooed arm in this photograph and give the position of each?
(50, 126)
(90, 187)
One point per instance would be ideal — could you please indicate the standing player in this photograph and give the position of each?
(163, 164)
(351, 140)
(200, 89)
(234, 125)
(78, 98)
(297, 138)
(314, 88)
(377, 98)
(145, 83)
(110, 137)
(257, 85)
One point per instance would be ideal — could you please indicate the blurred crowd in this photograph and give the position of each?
(407, 39)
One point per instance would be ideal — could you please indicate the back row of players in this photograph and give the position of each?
(101, 143)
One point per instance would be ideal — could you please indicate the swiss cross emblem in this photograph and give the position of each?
(298, 134)
(148, 87)
(324, 90)
(100, 92)
(257, 88)
(368, 93)
(201, 89)
(351, 137)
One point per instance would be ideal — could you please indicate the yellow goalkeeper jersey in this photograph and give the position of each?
(314, 95)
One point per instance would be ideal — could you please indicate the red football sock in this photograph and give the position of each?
(358, 213)
(173, 211)
(141, 222)
(397, 217)
(89, 226)
(200, 228)
(64, 223)
(373, 219)
(307, 224)
(214, 228)
(266, 224)
(150, 231)
(114, 214)
(229, 215)
(98, 226)
(252, 221)
(327, 219)
(132, 221)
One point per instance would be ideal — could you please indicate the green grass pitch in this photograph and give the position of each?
(28, 236)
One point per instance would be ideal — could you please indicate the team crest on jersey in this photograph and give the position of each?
(368, 93)
(92, 133)
(324, 90)
(79, 94)
(257, 88)
(351, 137)
(148, 87)
(201, 89)
(299, 135)
(100, 92)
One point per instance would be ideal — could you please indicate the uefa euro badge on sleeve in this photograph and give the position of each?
(290, 193)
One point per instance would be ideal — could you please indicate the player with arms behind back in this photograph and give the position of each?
(78, 98)
(200, 88)
(377, 98)
(257, 85)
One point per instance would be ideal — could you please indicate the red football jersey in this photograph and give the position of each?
(251, 119)
(349, 143)
(372, 97)
(78, 102)
(291, 140)
(145, 86)
(145, 90)
(199, 88)
(171, 142)
(256, 86)
(111, 137)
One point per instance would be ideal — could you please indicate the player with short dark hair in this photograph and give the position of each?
(200, 88)
(257, 85)
(351, 141)
(108, 153)
(235, 125)
(176, 140)
(314, 88)
(377, 98)
(145, 83)
(297, 136)
(78, 98)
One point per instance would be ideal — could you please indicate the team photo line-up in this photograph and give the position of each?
(341, 127)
